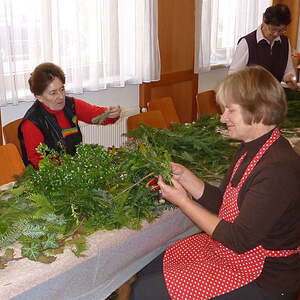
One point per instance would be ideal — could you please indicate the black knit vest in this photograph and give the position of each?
(50, 129)
(274, 60)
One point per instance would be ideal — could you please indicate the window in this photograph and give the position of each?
(221, 24)
(98, 43)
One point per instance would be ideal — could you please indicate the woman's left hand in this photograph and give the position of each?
(291, 81)
(176, 194)
(115, 111)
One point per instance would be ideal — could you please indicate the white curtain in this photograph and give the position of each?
(220, 24)
(98, 43)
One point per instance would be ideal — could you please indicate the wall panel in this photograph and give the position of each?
(176, 31)
(294, 6)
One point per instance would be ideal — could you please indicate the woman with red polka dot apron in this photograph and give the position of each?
(249, 245)
(207, 263)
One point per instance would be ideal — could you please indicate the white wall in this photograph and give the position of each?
(210, 80)
(127, 97)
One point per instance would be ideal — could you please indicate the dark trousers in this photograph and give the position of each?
(150, 285)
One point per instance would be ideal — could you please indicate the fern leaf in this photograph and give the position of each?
(31, 251)
(51, 242)
(34, 231)
(13, 234)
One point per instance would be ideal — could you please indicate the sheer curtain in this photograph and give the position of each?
(98, 43)
(220, 24)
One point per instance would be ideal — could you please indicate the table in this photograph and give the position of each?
(112, 258)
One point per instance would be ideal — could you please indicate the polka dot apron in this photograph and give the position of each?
(199, 267)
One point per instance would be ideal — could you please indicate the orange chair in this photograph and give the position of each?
(206, 103)
(167, 107)
(11, 163)
(150, 118)
(1, 136)
(10, 132)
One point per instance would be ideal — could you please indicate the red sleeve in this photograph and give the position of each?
(86, 112)
(32, 138)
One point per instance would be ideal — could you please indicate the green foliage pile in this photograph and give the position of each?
(72, 196)
(199, 145)
(293, 114)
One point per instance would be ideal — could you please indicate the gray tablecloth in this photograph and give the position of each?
(112, 258)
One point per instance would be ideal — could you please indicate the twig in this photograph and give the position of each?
(130, 187)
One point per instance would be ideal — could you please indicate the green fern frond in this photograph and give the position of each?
(34, 231)
(14, 233)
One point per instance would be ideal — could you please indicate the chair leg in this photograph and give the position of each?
(124, 291)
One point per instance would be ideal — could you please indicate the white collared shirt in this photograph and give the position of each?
(241, 55)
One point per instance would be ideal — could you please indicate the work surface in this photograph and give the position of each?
(112, 258)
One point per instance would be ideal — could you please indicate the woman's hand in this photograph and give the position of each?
(291, 81)
(178, 171)
(188, 180)
(176, 194)
(115, 111)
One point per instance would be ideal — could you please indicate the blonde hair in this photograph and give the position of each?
(257, 91)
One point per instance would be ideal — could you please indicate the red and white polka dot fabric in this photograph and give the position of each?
(200, 267)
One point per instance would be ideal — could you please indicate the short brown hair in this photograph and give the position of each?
(44, 74)
(278, 14)
(257, 91)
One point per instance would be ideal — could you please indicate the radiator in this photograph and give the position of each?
(108, 135)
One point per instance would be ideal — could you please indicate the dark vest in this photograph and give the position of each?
(55, 138)
(274, 60)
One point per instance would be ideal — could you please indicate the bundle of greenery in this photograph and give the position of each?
(293, 114)
(71, 197)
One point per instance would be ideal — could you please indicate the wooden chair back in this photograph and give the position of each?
(1, 135)
(206, 103)
(153, 119)
(10, 132)
(11, 163)
(167, 107)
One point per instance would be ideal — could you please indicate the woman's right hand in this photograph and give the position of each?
(115, 111)
(188, 180)
(178, 171)
(181, 173)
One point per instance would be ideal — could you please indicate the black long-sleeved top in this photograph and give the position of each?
(269, 204)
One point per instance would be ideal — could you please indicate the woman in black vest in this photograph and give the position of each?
(53, 118)
(268, 46)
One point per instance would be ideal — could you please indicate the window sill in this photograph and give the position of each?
(217, 67)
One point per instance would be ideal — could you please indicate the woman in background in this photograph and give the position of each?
(268, 46)
(248, 248)
(53, 118)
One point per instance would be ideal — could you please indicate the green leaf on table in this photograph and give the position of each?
(31, 251)
(55, 251)
(51, 242)
(46, 259)
(9, 253)
(34, 231)
(78, 245)
(3, 263)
